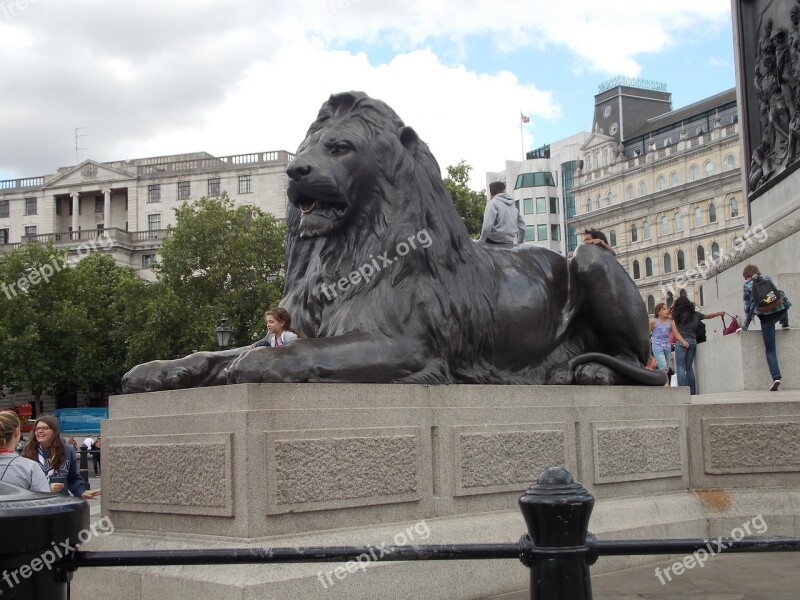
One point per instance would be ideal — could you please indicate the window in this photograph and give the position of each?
(154, 193)
(678, 223)
(702, 300)
(153, 222)
(555, 233)
(661, 183)
(99, 204)
(642, 188)
(542, 232)
(681, 260)
(147, 260)
(612, 237)
(3, 236)
(535, 180)
(645, 230)
(708, 167)
(608, 199)
(694, 173)
(733, 203)
(664, 225)
(673, 179)
(670, 299)
(698, 216)
(698, 130)
(527, 205)
(57, 205)
(648, 267)
(245, 182)
(634, 233)
(714, 251)
(588, 205)
(100, 228)
(30, 230)
(553, 206)
(530, 233)
(629, 192)
(667, 263)
(701, 255)
(651, 304)
(541, 206)
(730, 162)
(213, 187)
(30, 206)
(184, 190)
(636, 273)
(712, 213)
(599, 202)
(516, 205)
(4, 210)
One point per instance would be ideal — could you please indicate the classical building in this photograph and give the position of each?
(664, 185)
(541, 186)
(125, 207)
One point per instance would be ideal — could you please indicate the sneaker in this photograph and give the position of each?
(775, 385)
(785, 325)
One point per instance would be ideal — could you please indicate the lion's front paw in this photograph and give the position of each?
(161, 375)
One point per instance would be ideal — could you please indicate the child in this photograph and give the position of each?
(279, 327)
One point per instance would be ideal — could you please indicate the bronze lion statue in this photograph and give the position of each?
(387, 286)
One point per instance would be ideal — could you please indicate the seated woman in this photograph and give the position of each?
(279, 328)
(16, 469)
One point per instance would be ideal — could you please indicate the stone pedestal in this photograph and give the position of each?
(278, 465)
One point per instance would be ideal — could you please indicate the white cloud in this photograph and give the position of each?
(163, 76)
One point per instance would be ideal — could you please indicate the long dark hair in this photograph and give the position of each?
(282, 315)
(57, 454)
(682, 310)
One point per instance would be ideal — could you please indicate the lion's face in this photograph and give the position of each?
(332, 176)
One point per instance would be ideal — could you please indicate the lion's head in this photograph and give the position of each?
(361, 183)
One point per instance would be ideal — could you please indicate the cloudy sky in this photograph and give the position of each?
(157, 77)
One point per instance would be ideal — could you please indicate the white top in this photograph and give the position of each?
(88, 442)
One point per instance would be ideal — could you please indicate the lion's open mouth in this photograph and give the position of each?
(328, 207)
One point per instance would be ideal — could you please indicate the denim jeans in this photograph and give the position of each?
(684, 360)
(768, 333)
(662, 358)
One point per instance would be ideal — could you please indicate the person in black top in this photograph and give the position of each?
(686, 318)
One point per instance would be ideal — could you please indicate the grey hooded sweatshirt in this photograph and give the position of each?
(502, 222)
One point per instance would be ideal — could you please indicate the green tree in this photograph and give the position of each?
(221, 259)
(38, 321)
(469, 203)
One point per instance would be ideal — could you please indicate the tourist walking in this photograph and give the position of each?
(16, 469)
(661, 346)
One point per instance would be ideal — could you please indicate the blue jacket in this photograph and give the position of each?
(67, 472)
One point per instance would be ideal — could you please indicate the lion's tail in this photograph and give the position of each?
(636, 372)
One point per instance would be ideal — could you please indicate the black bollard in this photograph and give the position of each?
(38, 531)
(556, 511)
(84, 467)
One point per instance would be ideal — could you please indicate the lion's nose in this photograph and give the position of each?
(297, 170)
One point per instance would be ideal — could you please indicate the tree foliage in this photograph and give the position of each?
(469, 203)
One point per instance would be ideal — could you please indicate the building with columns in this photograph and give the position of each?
(664, 185)
(125, 207)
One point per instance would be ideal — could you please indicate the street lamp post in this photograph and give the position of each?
(223, 334)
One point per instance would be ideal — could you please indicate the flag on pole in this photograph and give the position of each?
(524, 118)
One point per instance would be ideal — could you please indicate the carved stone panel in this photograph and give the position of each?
(508, 457)
(180, 474)
(751, 444)
(341, 468)
(632, 450)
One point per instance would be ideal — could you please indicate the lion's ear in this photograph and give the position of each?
(409, 139)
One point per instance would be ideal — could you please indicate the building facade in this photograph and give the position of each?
(541, 186)
(125, 207)
(664, 185)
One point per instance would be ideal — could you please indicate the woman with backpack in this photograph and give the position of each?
(761, 297)
(687, 320)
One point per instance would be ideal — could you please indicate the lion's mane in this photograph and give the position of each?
(429, 292)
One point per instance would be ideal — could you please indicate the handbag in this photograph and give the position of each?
(733, 327)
